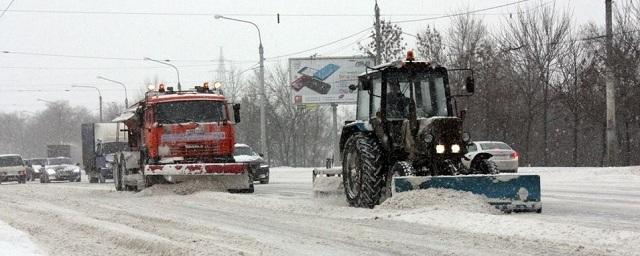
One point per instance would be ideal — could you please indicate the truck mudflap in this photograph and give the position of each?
(196, 169)
(509, 193)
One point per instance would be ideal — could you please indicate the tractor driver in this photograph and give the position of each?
(397, 102)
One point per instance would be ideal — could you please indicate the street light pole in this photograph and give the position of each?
(263, 100)
(99, 96)
(126, 98)
(168, 64)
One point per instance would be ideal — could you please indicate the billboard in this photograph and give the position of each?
(325, 80)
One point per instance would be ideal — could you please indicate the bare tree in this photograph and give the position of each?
(535, 41)
(466, 34)
(430, 46)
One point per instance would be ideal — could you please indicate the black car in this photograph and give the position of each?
(259, 168)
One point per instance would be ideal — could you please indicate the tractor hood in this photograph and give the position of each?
(433, 131)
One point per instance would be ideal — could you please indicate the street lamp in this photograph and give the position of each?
(168, 64)
(263, 136)
(99, 96)
(126, 98)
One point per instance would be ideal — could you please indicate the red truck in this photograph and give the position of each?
(177, 136)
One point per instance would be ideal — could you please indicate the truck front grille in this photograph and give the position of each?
(189, 150)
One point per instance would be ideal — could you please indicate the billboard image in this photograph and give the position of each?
(326, 80)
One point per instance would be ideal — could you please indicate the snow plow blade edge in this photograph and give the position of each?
(509, 193)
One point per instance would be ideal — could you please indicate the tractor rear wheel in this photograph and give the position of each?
(362, 171)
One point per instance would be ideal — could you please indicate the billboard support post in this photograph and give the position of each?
(334, 134)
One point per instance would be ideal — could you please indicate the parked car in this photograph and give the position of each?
(504, 156)
(60, 168)
(37, 164)
(12, 168)
(259, 168)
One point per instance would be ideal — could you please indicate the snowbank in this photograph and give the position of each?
(15, 242)
(184, 188)
(439, 199)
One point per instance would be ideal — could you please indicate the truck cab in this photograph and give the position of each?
(176, 136)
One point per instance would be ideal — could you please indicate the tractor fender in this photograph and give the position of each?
(351, 128)
(478, 158)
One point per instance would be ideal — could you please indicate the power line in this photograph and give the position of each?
(6, 8)
(397, 22)
(112, 58)
(29, 11)
(321, 46)
(460, 14)
(573, 40)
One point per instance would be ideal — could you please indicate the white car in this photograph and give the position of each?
(12, 168)
(505, 157)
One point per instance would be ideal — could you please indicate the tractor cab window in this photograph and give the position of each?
(376, 91)
(431, 99)
(190, 111)
(398, 98)
(472, 148)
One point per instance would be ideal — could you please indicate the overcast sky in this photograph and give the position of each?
(187, 33)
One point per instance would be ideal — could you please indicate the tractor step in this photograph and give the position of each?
(509, 193)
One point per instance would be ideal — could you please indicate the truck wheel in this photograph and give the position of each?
(101, 179)
(264, 181)
(362, 173)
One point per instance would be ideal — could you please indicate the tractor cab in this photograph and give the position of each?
(408, 105)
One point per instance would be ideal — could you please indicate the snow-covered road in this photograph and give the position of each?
(586, 211)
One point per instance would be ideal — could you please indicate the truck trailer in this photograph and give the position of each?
(100, 142)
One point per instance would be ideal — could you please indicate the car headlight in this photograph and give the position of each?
(428, 138)
(455, 148)
(263, 166)
(439, 148)
(466, 137)
(51, 171)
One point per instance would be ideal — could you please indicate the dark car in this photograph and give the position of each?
(60, 168)
(259, 168)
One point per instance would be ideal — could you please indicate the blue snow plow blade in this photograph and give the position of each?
(509, 193)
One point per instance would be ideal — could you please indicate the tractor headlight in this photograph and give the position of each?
(439, 148)
(455, 148)
(428, 138)
(51, 171)
(466, 137)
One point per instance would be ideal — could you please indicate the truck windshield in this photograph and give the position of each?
(10, 161)
(431, 99)
(113, 147)
(243, 151)
(38, 161)
(190, 111)
(59, 161)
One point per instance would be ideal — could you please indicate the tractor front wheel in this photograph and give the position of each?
(362, 171)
